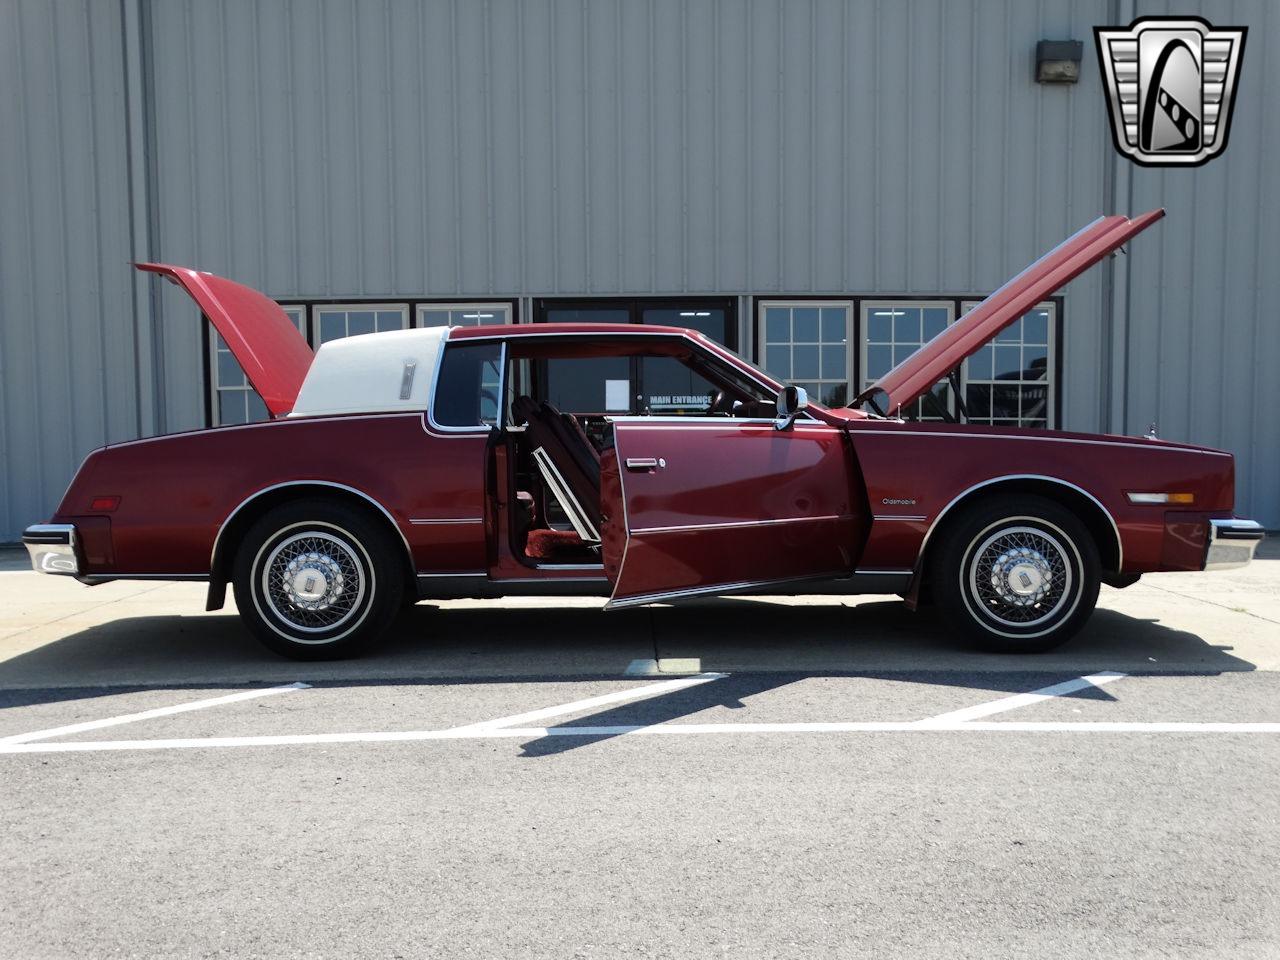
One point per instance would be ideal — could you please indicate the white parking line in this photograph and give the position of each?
(148, 714)
(664, 729)
(620, 696)
(1020, 700)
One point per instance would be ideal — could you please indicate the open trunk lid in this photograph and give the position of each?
(919, 372)
(273, 354)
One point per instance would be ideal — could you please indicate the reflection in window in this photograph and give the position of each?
(807, 343)
(893, 331)
(1009, 381)
(588, 385)
(669, 388)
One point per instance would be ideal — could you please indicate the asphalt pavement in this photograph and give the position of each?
(756, 778)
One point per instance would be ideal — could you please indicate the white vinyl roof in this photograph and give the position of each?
(390, 372)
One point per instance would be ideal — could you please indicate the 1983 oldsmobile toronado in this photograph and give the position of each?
(425, 464)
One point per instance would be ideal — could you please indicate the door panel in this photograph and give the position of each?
(711, 505)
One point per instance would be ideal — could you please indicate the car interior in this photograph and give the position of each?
(554, 454)
(557, 470)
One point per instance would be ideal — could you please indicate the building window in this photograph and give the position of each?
(807, 343)
(463, 314)
(233, 400)
(714, 316)
(893, 330)
(1009, 382)
(334, 321)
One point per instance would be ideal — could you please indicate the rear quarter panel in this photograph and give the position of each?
(913, 472)
(177, 491)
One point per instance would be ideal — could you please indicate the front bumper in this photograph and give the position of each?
(52, 547)
(1232, 543)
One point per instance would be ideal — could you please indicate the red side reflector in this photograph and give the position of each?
(103, 504)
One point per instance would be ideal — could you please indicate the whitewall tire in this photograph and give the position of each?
(318, 580)
(1017, 574)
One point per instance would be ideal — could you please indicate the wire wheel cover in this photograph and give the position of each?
(313, 581)
(1019, 575)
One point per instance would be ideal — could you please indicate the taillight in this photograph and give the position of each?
(103, 504)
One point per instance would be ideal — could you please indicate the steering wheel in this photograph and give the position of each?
(719, 404)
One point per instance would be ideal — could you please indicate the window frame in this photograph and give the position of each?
(310, 326)
(214, 389)
(851, 332)
(928, 411)
(403, 307)
(507, 306)
(480, 430)
(635, 308)
(1053, 368)
(1056, 334)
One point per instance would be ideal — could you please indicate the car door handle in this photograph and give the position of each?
(645, 463)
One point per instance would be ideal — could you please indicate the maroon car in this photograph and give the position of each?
(428, 463)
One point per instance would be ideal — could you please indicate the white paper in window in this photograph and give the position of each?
(617, 395)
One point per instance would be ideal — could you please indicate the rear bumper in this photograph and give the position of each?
(52, 547)
(1232, 543)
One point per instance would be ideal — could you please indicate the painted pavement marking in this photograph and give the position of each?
(619, 696)
(149, 714)
(977, 712)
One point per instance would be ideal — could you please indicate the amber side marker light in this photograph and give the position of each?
(103, 504)
(1162, 498)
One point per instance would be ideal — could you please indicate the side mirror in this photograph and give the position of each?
(790, 402)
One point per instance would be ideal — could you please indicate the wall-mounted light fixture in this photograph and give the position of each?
(1058, 61)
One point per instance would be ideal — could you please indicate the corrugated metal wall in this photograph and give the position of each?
(567, 146)
(327, 148)
(1204, 291)
(68, 374)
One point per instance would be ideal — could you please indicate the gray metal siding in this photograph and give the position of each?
(1204, 294)
(327, 148)
(571, 147)
(67, 362)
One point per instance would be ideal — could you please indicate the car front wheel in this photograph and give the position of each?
(1018, 574)
(318, 580)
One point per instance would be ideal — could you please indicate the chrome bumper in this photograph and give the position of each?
(52, 547)
(1232, 543)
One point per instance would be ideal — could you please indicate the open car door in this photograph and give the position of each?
(718, 505)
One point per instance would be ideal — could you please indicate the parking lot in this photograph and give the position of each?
(783, 777)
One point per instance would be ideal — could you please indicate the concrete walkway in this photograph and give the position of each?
(56, 632)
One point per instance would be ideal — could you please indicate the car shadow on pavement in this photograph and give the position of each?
(762, 642)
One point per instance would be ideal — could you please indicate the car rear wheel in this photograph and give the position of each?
(1017, 574)
(318, 580)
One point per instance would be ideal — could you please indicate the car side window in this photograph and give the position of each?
(467, 389)
(646, 385)
(672, 388)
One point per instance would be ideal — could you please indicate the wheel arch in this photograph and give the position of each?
(1096, 517)
(258, 504)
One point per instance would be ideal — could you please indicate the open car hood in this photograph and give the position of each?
(271, 351)
(916, 375)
